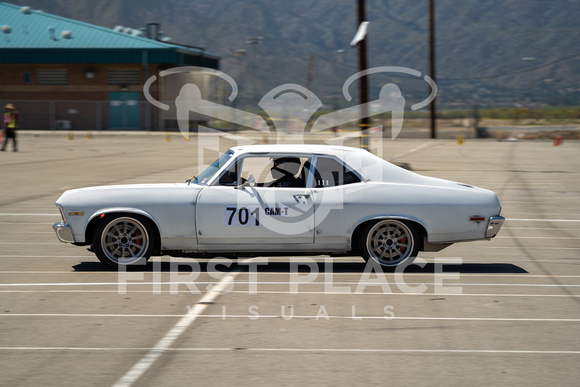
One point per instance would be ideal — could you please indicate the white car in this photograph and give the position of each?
(281, 200)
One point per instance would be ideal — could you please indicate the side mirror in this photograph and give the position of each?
(251, 182)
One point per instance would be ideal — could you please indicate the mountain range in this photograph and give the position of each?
(493, 52)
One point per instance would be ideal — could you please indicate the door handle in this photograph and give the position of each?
(301, 196)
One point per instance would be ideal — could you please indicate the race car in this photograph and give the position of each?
(261, 200)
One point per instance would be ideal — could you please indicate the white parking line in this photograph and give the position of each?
(56, 215)
(195, 313)
(173, 334)
(30, 243)
(339, 350)
(568, 213)
(535, 248)
(46, 256)
(415, 294)
(555, 260)
(70, 349)
(539, 228)
(533, 237)
(302, 283)
(385, 350)
(328, 293)
(27, 223)
(26, 232)
(281, 273)
(331, 293)
(91, 315)
(542, 220)
(527, 202)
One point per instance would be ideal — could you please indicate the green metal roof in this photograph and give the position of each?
(26, 33)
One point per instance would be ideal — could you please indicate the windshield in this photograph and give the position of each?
(206, 175)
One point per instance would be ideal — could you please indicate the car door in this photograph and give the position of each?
(339, 201)
(254, 216)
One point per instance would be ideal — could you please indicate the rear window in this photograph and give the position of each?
(330, 172)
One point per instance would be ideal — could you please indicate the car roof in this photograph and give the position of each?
(369, 166)
(331, 150)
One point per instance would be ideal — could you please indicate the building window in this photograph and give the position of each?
(26, 77)
(52, 77)
(124, 77)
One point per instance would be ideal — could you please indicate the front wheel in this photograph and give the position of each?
(124, 241)
(389, 242)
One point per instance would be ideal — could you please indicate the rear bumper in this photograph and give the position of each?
(63, 232)
(494, 225)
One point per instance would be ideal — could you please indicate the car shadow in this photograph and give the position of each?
(306, 266)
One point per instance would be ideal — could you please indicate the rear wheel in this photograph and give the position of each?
(124, 241)
(389, 242)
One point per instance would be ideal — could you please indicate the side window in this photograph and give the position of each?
(268, 171)
(331, 173)
(230, 177)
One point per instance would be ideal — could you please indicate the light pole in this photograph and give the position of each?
(240, 53)
(363, 81)
(254, 41)
(432, 64)
(342, 55)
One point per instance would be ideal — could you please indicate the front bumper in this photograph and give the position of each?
(63, 232)
(494, 225)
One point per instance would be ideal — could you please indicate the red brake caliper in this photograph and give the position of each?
(404, 242)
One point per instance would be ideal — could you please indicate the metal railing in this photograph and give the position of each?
(85, 115)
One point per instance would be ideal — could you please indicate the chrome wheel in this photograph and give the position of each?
(123, 241)
(389, 242)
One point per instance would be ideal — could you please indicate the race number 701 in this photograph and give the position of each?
(242, 216)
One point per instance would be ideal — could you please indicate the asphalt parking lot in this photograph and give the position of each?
(503, 312)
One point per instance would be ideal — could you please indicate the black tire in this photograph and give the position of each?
(389, 242)
(125, 240)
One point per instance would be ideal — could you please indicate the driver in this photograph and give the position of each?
(284, 172)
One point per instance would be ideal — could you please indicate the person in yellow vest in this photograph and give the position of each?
(10, 126)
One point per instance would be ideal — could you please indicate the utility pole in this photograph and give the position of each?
(363, 86)
(240, 53)
(309, 72)
(432, 64)
(254, 41)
